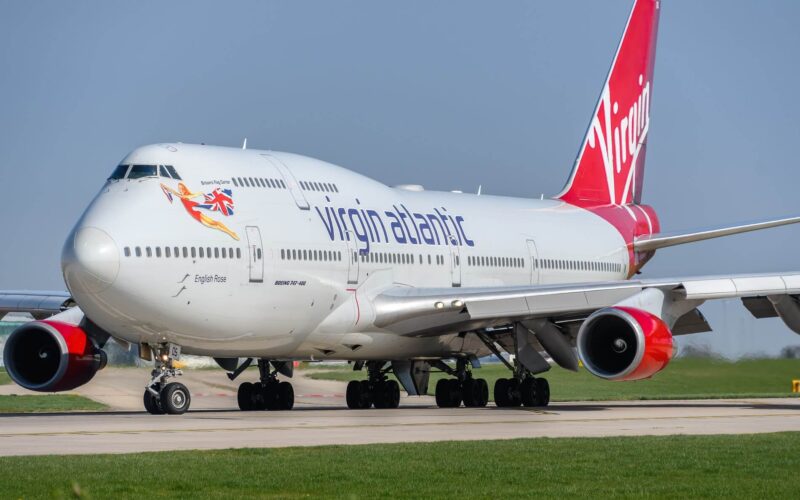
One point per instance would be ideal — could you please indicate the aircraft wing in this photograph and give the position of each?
(662, 240)
(38, 304)
(421, 312)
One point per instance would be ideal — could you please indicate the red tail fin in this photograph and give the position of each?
(610, 166)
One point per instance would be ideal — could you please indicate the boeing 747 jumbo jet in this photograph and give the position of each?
(258, 256)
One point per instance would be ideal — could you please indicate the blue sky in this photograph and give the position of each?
(446, 94)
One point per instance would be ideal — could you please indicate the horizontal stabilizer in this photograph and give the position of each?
(661, 240)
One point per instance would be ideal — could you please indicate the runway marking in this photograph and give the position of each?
(305, 426)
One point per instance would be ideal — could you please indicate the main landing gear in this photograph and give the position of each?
(377, 390)
(527, 391)
(450, 392)
(161, 397)
(266, 394)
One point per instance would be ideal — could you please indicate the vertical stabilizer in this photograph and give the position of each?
(609, 169)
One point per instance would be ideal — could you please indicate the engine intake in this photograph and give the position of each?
(50, 356)
(624, 343)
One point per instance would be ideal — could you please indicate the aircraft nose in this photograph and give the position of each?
(90, 260)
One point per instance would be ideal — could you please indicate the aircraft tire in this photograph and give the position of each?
(285, 396)
(151, 404)
(244, 396)
(542, 392)
(527, 390)
(175, 398)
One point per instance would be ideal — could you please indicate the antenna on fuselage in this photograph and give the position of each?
(244, 144)
(480, 187)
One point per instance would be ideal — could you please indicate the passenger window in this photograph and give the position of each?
(208, 252)
(200, 252)
(140, 171)
(158, 252)
(172, 172)
(194, 252)
(167, 252)
(149, 251)
(185, 253)
(138, 251)
(258, 253)
(177, 252)
(216, 253)
(119, 173)
(127, 251)
(238, 253)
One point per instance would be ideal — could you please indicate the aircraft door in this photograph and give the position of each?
(255, 254)
(455, 261)
(353, 258)
(291, 183)
(533, 261)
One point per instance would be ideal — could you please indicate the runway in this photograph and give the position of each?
(320, 418)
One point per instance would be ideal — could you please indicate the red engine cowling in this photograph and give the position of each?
(50, 356)
(624, 343)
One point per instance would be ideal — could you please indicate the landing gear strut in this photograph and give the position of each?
(450, 392)
(266, 394)
(161, 397)
(377, 390)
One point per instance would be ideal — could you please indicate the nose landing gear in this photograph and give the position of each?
(161, 397)
(268, 393)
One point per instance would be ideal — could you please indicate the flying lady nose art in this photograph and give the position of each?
(219, 200)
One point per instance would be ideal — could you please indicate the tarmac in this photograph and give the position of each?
(320, 417)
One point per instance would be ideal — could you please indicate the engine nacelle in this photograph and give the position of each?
(51, 356)
(624, 343)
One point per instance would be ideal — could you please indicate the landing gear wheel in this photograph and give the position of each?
(506, 393)
(481, 393)
(389, 394)
(257, 400)
(528, 392)
(542, 392)
(448, 393)
(151, 403)
(245, 396)
(285, 396)
(175, 398)
(353, 395)
(357, 399)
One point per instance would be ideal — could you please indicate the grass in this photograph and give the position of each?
(4, 378)
(750, 466)
(683, 379)
(47, 403)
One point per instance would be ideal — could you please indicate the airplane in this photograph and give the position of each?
(261, 256)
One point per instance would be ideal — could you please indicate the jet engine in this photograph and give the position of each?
(51, 356)
(624, 343)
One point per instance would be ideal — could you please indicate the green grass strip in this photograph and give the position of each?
(750, 466)
(47, 403)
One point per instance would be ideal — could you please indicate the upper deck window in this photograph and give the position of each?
(139, 171)
(119, 173)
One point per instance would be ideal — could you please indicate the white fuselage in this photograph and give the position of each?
(316, 243)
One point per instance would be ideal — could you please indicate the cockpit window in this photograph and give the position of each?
(139, 171)
(119, 173)
(162, 171)
(172, 172)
